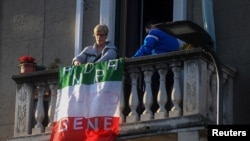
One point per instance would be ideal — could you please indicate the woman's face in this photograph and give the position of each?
(100, 38)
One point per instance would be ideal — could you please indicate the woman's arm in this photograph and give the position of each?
(109, 54)
(80, 58)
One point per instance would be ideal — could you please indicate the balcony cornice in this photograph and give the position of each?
(162, 126)
(36, 76)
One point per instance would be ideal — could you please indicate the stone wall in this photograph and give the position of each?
(232, 44)
(43, 29)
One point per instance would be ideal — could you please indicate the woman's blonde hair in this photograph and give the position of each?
(101, 28)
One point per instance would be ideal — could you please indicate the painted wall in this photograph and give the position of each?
(43, 29)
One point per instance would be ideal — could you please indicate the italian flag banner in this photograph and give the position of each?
(88, 99)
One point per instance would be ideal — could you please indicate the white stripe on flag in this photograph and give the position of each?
(99, 99)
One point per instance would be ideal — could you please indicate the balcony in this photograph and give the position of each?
(171, 95)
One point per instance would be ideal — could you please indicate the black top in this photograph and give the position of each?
(187, 31)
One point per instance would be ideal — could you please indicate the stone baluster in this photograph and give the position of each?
(176, 95)
(133, 99)
(52, 104)
(39, 112)
(162, 93)
(148, 96)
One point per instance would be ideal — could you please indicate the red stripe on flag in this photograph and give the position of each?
(82, 129)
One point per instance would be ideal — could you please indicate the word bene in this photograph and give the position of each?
(223, 131)
(80, 123)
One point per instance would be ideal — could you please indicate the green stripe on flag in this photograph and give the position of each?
(91, 73)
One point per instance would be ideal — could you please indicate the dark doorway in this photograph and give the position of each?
(157, 10)
(138, 13)
(160, 10)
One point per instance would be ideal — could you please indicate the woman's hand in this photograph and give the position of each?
(77, 63)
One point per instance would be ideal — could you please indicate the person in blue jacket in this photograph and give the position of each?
(157, 41)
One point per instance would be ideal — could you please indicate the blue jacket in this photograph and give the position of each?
(157, 42)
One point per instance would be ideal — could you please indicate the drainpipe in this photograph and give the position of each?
(78, 26)
(208, 20)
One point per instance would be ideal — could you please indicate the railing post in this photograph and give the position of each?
(176, 95)
(133, 99)
(39, 113)
(52, 104)
(24, 109)
(195, 87)
(148, 96)
(162, 97)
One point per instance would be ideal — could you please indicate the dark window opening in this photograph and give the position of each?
(139, 12)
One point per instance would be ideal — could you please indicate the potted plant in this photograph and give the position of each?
(27, 64)
(55, 64)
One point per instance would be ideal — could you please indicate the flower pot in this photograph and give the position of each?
(27, 67)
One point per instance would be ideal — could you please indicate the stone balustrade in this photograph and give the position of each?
(161, 93)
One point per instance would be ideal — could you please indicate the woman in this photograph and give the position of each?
(102, 50)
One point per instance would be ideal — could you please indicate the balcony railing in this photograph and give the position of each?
(163, 95)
